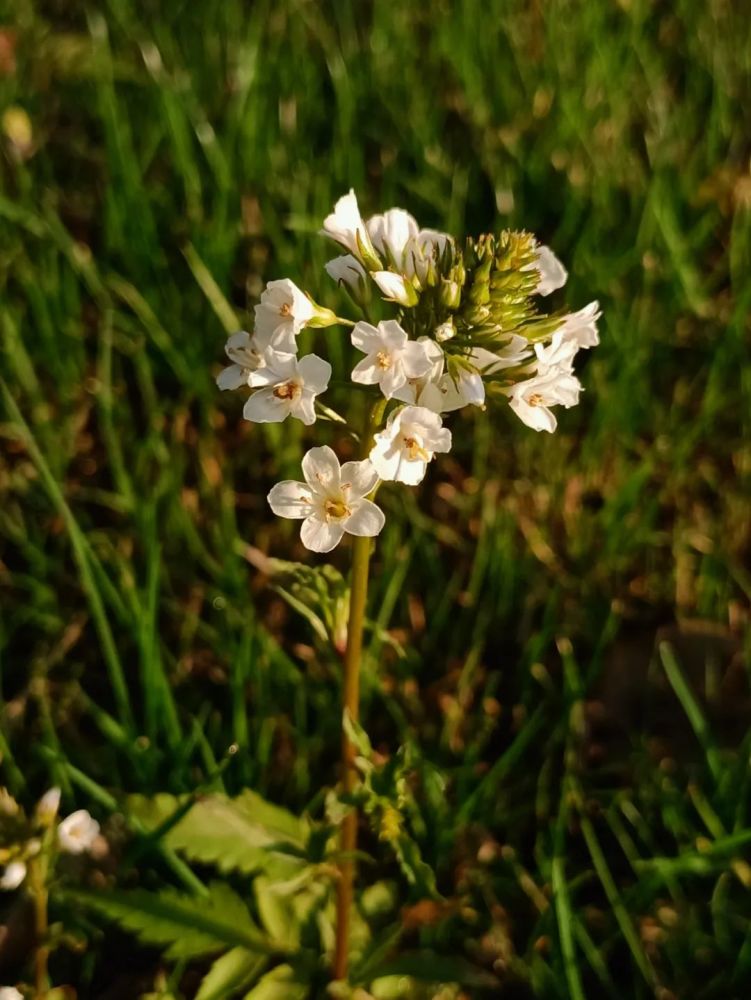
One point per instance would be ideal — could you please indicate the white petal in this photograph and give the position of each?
(391, 231)
(366, 520)
(394, 287)
(77, 832)
(347, 269)
(315, 373)
(539, 417)
(320, 536)
(320, 466)
(361, 477)
(367, 371)
(304, 408)
(366, 338)
(291, 499)
(232, 377)
(13, 876)
(416, 360)
(553, 274)
(264, 407)
(392, 334)
(392, 378)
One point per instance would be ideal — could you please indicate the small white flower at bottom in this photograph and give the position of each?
(581, 326)
(404, 447)
(10, 993)
(331, 502)
(530, 400)
(286, 387)
(245, 355)
(77, 832)
(13, 876)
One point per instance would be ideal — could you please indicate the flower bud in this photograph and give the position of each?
(451, 294)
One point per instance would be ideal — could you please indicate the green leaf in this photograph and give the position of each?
(232, 972)
(245, 834)
(417, 872)
(357, 735)
(282, 983)
(190, 926)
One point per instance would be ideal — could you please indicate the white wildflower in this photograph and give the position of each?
(422, 251)
(408, 442)
(13, 876)
(286, 387)
(514, 352)
(581, 326)
(395, 288)
(331, 501)
(531, 399)
(461, 388)
(423, 390)
(77, 832)
(553, 274)
(245, 355)
(391, 358)
(347, 270)
(280, 315)
(346, 226)
(391, 233)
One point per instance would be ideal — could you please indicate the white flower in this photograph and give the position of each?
(422, 250)
(331, 501)
(77, 832)
(391, 357)
(13, 876)
(514, 352)
(391, 233)
(408, 442)
(280, 315)
(10, 993)
(348, 270)
(245, 355)
(446, 331)
(552, 273)
(48, 805)
(286, 387)
(423, 390)
(581, 326)
(559, 353)
(464, 388)
(345, 225)
(395, 288)
(530, 400)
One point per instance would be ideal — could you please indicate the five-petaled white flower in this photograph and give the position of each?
(10, 993)
(391, 233)
(13, 876)
(331, 501)
(345, 225)
(408, 442)
(286, 387)
(280, 315)
(531, 399)
(552, 274)
(77, 832)
(245, 355)
(391, 358)
(424, 390)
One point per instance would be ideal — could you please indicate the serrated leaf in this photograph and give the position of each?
(189, 926)
(231, 973)
(245, 834)
(282, 983)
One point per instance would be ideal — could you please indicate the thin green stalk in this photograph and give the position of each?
(361, 550)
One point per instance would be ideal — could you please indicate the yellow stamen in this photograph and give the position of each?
(415, 450)
(287, 390)
(336, 508)
(383, 360)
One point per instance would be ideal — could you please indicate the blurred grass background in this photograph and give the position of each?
(560, 623)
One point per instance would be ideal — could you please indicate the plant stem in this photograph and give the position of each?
(38, 883)
(348, 836)
(361, 550)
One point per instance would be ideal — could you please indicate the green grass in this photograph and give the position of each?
(182, 159)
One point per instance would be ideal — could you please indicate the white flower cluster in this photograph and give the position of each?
(76, 834)
(440, 368)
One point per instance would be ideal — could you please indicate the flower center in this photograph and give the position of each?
(336, 508)
(415, 450)
(535, 399)
(285, 309)
(287, 390)
(383, 360)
